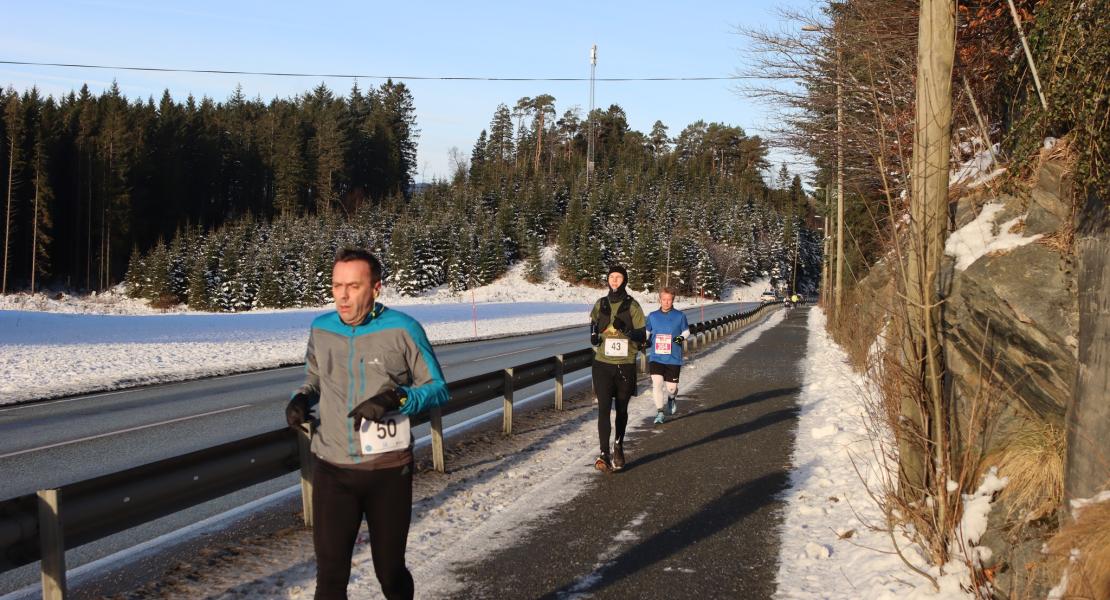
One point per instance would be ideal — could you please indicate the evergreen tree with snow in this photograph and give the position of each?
(533, 265)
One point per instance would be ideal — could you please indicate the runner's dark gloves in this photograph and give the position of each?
(376, 407)
(297, 411)
(678, 340)
(595, 337)
(636, 335)
(620, 325)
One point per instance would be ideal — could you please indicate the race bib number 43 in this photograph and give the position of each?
(616, 347)
(390, 434)
(662, 343)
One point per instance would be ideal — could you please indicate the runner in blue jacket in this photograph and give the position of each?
(667, 330)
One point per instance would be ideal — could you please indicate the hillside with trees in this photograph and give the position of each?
(240, 204)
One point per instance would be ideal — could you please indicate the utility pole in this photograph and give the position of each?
(839, 182)
(839, 168)
(590, 119)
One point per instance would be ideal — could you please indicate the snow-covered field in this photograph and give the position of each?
(53, 347)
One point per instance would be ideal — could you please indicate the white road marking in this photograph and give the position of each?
(129, 429)
(505, 354)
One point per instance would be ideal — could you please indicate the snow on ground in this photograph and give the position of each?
(983, 236)
(833, 541)
(53, 347)
(493, 511)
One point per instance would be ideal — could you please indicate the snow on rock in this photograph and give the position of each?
(983, 236)
(977, 170)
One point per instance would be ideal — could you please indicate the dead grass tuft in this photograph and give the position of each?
(1059, 241)
(1032, 457)
(1082, 548)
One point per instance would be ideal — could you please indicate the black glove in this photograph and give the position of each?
(621, 326)
(595, 337)
(678, 340)
(375, 408)
(297, 411)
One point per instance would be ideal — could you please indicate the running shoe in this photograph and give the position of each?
(618, 457)
(659, 418)
(672, 405)
(603, 464)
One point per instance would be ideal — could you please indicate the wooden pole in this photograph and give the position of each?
(507, 421)
(560, 366)
(304, 451)
(439, 462)
(52, 545)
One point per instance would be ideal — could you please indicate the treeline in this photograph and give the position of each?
(86, 179)
(692, 211)
(240, 204)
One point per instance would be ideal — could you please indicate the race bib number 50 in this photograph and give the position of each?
(662, 343)
(390, 434)
(616, 347)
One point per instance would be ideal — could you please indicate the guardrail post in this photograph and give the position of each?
(52, 545)
(438, 462)
(304, 451)
(559, 366)
(507, 423)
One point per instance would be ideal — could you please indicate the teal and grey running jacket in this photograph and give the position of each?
(346, 364)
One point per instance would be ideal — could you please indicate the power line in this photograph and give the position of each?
(358, 76)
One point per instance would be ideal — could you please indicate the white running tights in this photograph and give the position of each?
(657, 390)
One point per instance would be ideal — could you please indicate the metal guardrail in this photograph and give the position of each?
(40, 526)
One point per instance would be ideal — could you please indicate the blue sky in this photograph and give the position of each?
(490, 39)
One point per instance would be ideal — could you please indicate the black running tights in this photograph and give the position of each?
(341, 498)
(613, 382)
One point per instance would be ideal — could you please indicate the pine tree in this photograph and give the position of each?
(478, 157)
(500, 148)
(643, 270)
(14, 125)
(533, 266)
(136, 275)
(41, 219)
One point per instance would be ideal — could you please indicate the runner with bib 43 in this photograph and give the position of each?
(616, 331)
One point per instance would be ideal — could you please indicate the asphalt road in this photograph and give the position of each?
(51, 443)
(694, 514)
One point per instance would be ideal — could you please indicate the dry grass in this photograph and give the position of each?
(1083, 549)
(1032, 457)
(1059, 241)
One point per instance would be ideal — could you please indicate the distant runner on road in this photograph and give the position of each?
(617, 331)
(667, 330)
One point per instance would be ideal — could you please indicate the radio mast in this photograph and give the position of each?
(590, 117)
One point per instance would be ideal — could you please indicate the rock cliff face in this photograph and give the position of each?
(1011, 318)
(1011, 321)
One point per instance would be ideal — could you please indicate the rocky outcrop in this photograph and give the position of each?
(1011, 334)
(1011, 318)
(1012, 314)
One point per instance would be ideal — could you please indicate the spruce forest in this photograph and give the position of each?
(241, 204)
